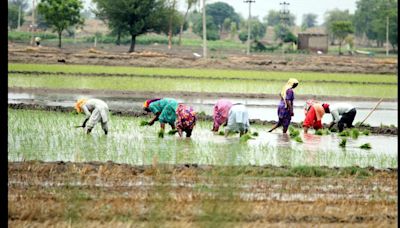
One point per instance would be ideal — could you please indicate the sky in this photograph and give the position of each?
(297, 7)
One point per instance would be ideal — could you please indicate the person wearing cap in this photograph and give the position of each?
(95, 110)
(314, 116)
(285, 107)
(238, 120)
(220, 114)
(164, 110)
(186, 120)
(347, 113)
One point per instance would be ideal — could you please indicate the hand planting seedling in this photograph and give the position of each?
(343, 143)
(144, 123)
(366, 146)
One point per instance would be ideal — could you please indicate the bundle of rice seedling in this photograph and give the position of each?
(366, 146)
(144, 123)
(343, 143)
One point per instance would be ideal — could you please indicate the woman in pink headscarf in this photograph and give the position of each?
(220, 115)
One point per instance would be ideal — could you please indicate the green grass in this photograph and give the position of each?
(215, 73)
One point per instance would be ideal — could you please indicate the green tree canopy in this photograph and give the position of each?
(212, 29)
(219, 11)
(135, 16)
(13, 16)
(309, 20)
(258, 30)
(341, 29)
(370, 19)
(335, 15)
(61, 14)
(273, 18)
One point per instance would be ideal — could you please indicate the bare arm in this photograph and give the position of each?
(155, 118)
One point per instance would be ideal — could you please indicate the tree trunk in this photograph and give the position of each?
(133, 42)
(340, 47)
(59, 39)
(118, 41)
(180, 35)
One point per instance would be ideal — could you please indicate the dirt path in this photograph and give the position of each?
(269, 62)
(91, 194)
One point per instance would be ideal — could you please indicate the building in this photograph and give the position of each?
(313, 42)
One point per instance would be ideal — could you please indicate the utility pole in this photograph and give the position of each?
(284, 13)
(33, 22)
(249, 26)
(204, 31)
(19, 18)
(387, 35)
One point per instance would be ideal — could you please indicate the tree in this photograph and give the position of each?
(61, 14)
(335, 15)
(190, 4)
(273, 18)
(257, 30)
(370, 19)
(16, 10)
(138, 16)
(212, 29)
(309, 21)
(341, 29)
(219, 11)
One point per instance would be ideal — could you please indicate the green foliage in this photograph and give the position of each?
(343, 143)
(333, 16)
(255, 134)
(307, 171)
(60, 15)
(221, 133)
(366, 146)
(341, 29)
(26, 36)
(333, 129)
(141, 17)
(212, 29)
(245, 137)
(355, 171)
(13, 11)
(344, 133)
(309, 20)
(219, 11)
(319, 132)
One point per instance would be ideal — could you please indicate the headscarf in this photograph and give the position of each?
(148, 102)
(288, 85)
(79, 104)
(326, 107)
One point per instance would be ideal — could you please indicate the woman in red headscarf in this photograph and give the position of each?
(314, 116)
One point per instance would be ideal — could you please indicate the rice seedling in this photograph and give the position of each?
(354, 133)
(221, 133)
(366, 132)
(293, 133)
(343, 143)
(319, 132)
(344, 133)
(298, 139)
(144, 123)
(255, 134)
(172, 132)
(366, 146)
(333, 129)
(161, 133)
(245, 137)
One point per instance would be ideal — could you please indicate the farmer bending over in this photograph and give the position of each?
(186, 120)
(347, 111)
(164, 111)
(314, 116)
(238, 120)
(220, 115)
(95, 110)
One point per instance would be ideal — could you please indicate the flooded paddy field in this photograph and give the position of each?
(51, 136)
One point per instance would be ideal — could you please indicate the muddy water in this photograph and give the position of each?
(263, 109)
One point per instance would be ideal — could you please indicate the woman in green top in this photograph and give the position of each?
(164, 110)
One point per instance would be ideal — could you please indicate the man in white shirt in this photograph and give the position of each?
(347, 113)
